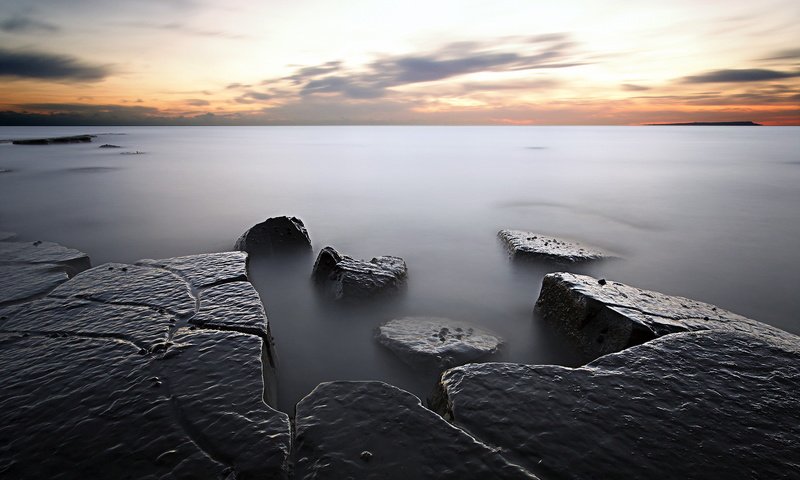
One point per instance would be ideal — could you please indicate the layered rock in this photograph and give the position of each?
(142, 371)
(535, 246)
(606, 316)
(436, 342)
(277, 235)
(370, 430)
(341, 277)
(710, 404)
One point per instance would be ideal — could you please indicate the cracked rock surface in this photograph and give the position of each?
(371, 430)
(344, 278)
(436, 342)
(276, 235)
(606, 316)
(535, 246)
(113, 375)
(701, 405)
(31, 269)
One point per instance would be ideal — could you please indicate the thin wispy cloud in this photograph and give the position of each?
(182, 28)
(740, 76)
(23, 24)
(49, 66)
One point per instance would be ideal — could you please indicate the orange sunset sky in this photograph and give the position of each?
(193, 62)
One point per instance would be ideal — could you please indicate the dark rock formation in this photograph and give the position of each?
(32, 269)
(341, 277)
(277, 235)
(108, 145)
(54, 140)
(605, 316)
(696, 405)
(535, 246)
(124, 371)
(371, 430)
(436, 342)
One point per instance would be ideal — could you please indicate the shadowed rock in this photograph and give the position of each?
(698, 405)
(277, 235)
(535, 246)
(54, 140)
(342, 277)
(605, 316)
(436, 342)
(371, 430)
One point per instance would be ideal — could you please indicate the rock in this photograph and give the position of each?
(54, 140)
(31, 269)
(702, 405)
(277, 235)
(534, 246)
(130, 376)
(108, 145)
(436, 342)
(342, 277)
(374, 430)
(607, 317)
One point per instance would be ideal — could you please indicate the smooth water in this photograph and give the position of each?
(711, 213)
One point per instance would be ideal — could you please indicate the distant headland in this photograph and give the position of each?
(708, 124)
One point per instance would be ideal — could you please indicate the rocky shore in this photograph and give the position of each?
(166, 369)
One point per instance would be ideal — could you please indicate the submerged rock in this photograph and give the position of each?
(535, 246)
(54, 140)
(605, 316)
(130, 376)
(108, 145)
(276, 235)
(711, 404)
(342, 277)
(373, 430)
(436, 342)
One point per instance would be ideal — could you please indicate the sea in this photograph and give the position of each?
(710, 213)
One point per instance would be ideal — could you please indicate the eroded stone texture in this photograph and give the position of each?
(605, 316)
(700, 405)
(206, 269)
(276, 235)
(7, 236)
(232, 306)
(535, 246)
(22, 282)
(342, 277)
(371, 430)
(436, 342)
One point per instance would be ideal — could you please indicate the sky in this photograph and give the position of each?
(314, 62)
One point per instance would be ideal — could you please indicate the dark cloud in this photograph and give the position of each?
(305, 73)
(253, 96)
(197, 102)
(740, 76)
(630, 87)
(49, 66)
(236, 86)
(20, 24)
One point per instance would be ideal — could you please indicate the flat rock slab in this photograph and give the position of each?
(371, 430)
(276, 235)
(436, 342)
(344, 278)
(699, 405)
(605, 316)
(535, 246)
(124, 371)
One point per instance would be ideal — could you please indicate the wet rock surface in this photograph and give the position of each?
(436, 342)
(113, 375)
(606, 316)
(535, 246)
(344, 278)
(31, 269)
(711, 404)
(277, 235)
(371, 430)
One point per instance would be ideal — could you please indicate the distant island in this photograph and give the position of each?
(708, 124)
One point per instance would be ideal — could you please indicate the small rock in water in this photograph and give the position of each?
(365, 455)
(108, 145)
(276, 235)
(533, 246)
(602, 281)
(342, 277)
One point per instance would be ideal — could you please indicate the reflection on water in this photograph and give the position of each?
(706, 212)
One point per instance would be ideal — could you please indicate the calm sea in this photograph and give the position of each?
(711, 213)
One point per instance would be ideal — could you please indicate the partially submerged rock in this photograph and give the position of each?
(277, 235)
(54, 140)
(605, 316)
(535, 246)
(342, 277)
(108, 145)
(373, 430)
(131, 376)
(711, 404)
(436, 342)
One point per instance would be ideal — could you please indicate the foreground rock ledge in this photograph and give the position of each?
(606, 316)
(142, 371)
(535, 246)
(371, 430)
(344, 278)
(700, 405)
